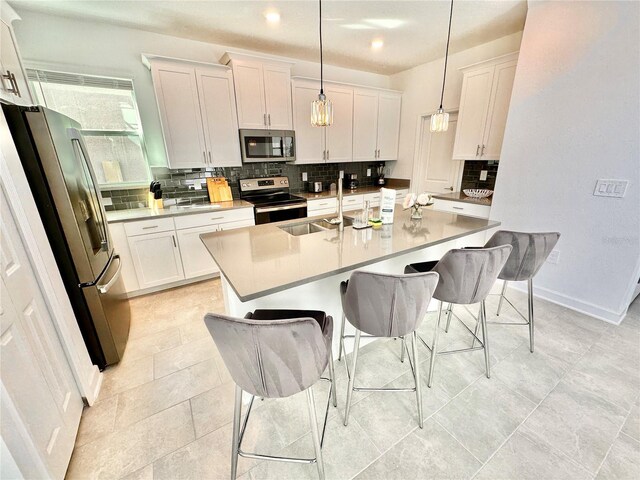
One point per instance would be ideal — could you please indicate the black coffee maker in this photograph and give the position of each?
(350, 181)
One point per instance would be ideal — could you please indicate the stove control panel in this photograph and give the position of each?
(256, 184)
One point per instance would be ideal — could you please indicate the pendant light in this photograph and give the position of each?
(321, 109)
(440, 119)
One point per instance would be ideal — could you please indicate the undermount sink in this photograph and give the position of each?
(312, 226)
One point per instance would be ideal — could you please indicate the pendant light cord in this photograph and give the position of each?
(446, 55)
(321, 63)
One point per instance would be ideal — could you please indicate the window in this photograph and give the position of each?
(107, 112)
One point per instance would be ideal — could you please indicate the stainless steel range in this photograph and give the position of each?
(272, 200)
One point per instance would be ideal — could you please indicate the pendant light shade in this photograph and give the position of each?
(321, 109)
(440, 119)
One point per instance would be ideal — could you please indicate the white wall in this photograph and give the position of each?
(422, 86)
(575, 117)
(103, 49)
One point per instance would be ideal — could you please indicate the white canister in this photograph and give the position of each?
(387, 205)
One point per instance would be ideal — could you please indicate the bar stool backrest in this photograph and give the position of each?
(270, 358)
(530, 251)
(467, 275)
(387, 305)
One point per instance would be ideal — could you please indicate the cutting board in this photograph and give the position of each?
(219, 190)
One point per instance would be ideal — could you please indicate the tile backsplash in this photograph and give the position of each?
(471, 174)
(176, 183)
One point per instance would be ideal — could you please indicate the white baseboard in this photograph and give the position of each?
(580, 306)
(167, 286)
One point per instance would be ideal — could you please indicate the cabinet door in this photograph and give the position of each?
(196, 259)
(365, 125)
(309, 139)
(339, 135)
(177, 95)
(10, 64)
(388, 125)
(352, 202)
(435, 171)
(249, 82)
(277, 92)
(498, 109)
(472, 117)
(156, 259)
(219, 118)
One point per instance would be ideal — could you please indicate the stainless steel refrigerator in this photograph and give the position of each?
(57, 166)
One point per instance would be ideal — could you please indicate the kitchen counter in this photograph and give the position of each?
(134, 214)
(461, 197)
(346, 193)
(257, 262)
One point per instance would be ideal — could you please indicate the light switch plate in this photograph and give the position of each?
(483, 174)
(305, 178)
(610, 188)
(341, 173)
(106, 201)
(368, 172)
(169, 202)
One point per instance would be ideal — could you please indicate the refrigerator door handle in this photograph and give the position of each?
(104, 287)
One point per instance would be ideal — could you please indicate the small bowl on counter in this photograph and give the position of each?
(478, 192)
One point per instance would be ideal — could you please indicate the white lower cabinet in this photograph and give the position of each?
(352, 202)
(470, 209)
(373, 198)
(196, 260)
(322, 206)
(400, 194)
(156, 258)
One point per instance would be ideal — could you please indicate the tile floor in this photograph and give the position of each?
(570, 410)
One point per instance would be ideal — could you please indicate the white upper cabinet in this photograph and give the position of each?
(376, 124)
(309, 139)
(339, 135)
(263, 92)
(13, 83)
(197, 112)
(484, 104)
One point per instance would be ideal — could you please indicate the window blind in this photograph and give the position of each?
(48, 76)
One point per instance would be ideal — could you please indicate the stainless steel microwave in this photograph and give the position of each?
(267, 145)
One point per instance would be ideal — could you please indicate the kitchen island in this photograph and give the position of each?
(266, 266)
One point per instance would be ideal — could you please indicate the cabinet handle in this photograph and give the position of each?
(482, 151)
(458, 208)
(450, 188)
(327, 154)
(174, 241)
(204, 155)
(148, 228)
(14, 84)
(210, 161)
(269, 119)
(264, 119)
(477, 150)
(324, 154)
(217, 218)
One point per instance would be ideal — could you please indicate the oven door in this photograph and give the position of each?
(267, 145)
(280, 213)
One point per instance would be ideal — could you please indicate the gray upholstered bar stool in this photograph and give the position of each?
(275, 354)
(384, 306)
(466, 277)
(530, 251)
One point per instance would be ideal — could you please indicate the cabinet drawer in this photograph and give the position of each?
(238, 224)
(323, 212)
(213, 218)
(352, 202)
(373, 198)
(322, 204)
(148, 226)
(400, 194)
(470, 209)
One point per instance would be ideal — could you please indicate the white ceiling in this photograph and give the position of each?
(414, 32)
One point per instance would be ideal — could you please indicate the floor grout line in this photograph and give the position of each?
(614, 441)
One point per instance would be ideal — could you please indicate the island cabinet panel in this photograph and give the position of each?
(197, 113)
(388, 125)
(484, 104)
(156, 258)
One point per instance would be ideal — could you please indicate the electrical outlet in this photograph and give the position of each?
(483, 175)
(610, 188)
(305, 178)
(368, 172)
(169, 202)
(106, 201)
(341, 173)
(554, 257)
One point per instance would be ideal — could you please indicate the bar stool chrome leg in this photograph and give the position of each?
(352, 377)
(502, 292)
(485, 339)
(235, 445)
(449, 315)
(530, 302)
(314, 433)
(332, 374)
(417, 378)
(434, 346)
(341, 338)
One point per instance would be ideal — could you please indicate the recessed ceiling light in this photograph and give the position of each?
(272, 16)
(377, 44)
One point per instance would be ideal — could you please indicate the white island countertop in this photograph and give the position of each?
(264, 259)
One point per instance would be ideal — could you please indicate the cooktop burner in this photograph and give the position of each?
(279, 198)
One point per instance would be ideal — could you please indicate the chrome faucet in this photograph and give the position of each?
(340, 220)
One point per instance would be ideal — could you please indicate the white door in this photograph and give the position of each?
(339, 141)
(277, 92)
(388, 125)
(218, 106)
(365, 125)
(38, 387)
(474, 104)
(249, 82)
(156, 258)
(196, 259)
(309, 139)
(10, 64)
(498, 109)
(435, 171)
(177, 95)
